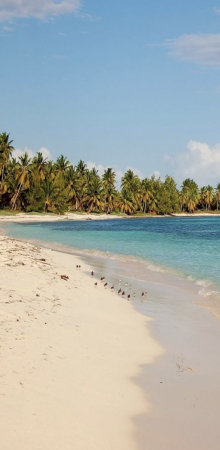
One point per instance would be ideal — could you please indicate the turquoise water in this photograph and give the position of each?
(188, 246)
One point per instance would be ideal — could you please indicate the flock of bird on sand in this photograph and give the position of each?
(120, 291)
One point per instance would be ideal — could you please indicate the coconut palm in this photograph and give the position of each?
(218, 194)
(126, 202)
(6, 149)
(146, 194)
(95, 195)
(209, 196)
(61, 166)
(203, 197)
(110, 193)
(22, 175)
(39, 163)
(71, 185)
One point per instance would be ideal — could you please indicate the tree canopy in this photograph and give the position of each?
(40, 184)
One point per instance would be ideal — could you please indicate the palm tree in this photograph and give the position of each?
(6, 149)
(95, 195)
(22, 175)
(218, 194)
(71, 188)
(146, 194)
(126, 202)
(61, 166)
(203, 196)
(40, 164)
(209, 196)
(128, 179)
(108, 180)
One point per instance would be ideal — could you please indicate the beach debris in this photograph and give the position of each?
(42, 259)
(96, 284)
(119, 291)
(64, 277)
(92, 273)
(191, 369)
(37, 295)
(106, 284)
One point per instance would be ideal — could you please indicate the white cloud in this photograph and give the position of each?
(40, 9)
(19, 152)
(203, 49)
(199, 161)
(45, 152)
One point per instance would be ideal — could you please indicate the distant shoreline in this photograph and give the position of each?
(25, 217)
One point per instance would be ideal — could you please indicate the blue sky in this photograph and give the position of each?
(116, 83)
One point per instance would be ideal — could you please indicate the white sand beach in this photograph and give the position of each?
(69, 355)
(24, 217)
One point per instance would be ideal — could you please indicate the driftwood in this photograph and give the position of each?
(64, 277)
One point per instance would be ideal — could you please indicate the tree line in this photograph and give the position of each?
(40, 184)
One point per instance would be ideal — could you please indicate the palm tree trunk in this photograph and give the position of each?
(16, 197)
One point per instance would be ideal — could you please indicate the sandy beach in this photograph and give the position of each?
(70, 353)
(23, 217)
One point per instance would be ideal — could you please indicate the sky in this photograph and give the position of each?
(116, 83)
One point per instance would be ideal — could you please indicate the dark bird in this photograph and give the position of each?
(92, 273)
(129, 296)
(123, 293)
(119, 291)
(102, 278)
(112, 287)
(96, 284)
(142, 294)
(106, 284)
(77, 266)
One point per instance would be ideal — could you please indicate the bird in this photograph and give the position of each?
(92, 273)
(119, 291)
(129, 296)
(142, 294)
(102, 278)
(123, 293)
(96, 284)
(106, 284)
(77, 266)
(112, 287)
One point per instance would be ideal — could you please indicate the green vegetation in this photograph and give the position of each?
(41, 185)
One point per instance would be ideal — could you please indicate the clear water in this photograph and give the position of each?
(187, 246)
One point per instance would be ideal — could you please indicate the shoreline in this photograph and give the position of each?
(25, 217)
(70, 352)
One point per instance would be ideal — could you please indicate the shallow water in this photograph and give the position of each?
(182, 250)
